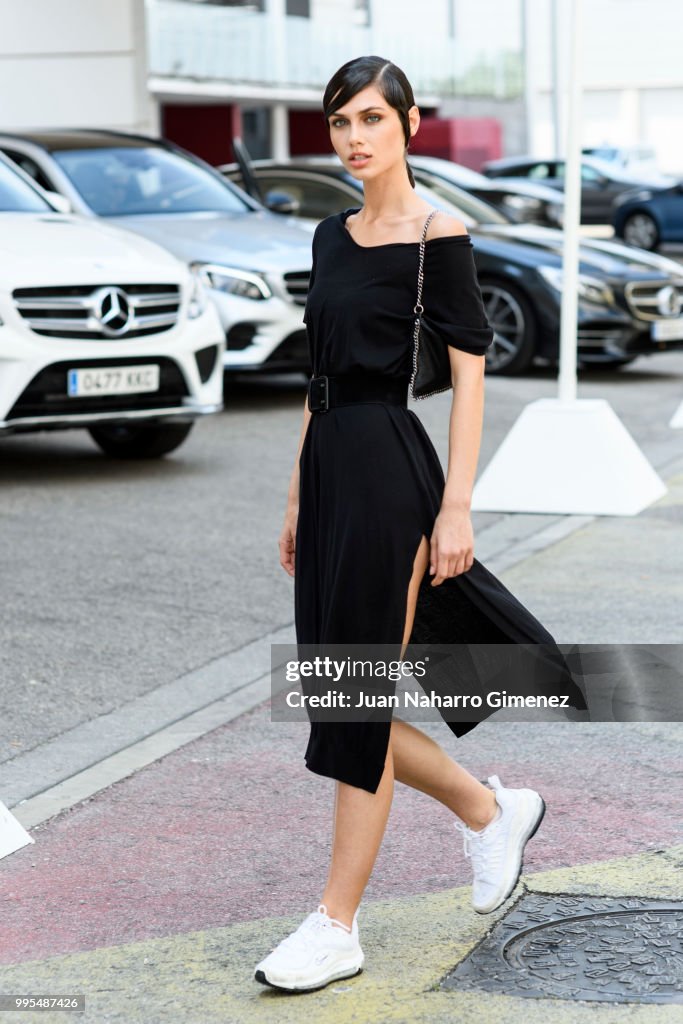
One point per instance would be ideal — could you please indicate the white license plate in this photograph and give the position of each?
(667, 330)
(112, 380)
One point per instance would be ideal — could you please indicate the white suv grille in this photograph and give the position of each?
(103, 312)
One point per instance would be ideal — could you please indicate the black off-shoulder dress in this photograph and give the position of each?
(371, 482)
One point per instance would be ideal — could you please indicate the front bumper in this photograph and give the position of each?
(33, 372)
(30, 424)
(598, 343)
(268, 335)
(604, 333)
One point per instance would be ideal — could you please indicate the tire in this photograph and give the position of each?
(510, 314)
(640, 230)
(139, 441)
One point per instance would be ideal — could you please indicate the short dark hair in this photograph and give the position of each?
(360, 72)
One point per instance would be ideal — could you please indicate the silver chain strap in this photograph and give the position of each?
(418, 309)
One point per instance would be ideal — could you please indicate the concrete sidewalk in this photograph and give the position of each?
(156, 897)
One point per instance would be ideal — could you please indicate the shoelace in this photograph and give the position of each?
(481, 846)
(304, 936)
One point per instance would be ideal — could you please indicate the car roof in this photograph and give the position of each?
(82, 138)
(525, 161)
(324, 161)
(522, 161)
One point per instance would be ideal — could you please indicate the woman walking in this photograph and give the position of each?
(380, 544)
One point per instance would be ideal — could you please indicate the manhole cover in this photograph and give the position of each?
(621, 950)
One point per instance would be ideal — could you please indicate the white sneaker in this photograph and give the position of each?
(315, 954)
(497, 851)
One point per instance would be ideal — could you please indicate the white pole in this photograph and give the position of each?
(280, 131)
(277, 13)
(557, 63)
(572, 210)
(530, 82)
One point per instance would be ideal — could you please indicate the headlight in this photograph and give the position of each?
(245, 283)
(592, 289)
(198, 299)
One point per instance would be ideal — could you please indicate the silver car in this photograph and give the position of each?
(256, 263)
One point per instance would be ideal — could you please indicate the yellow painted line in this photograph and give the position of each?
(409, 943)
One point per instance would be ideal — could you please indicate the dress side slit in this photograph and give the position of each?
(420, 566)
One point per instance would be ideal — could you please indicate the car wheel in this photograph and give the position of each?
(139, 441)
(640, 229)
(511, 317)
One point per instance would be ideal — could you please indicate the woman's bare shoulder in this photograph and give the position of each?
(445, 225)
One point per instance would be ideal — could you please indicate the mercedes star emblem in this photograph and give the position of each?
(113, 311)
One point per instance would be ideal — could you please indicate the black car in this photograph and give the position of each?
(601, 181)
(522, 201)
(519, 266)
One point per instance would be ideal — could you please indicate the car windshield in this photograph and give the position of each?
(473, 211)
(129, 180)
(465, 177)
(16, 196)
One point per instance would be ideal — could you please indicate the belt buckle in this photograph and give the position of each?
(319, 394)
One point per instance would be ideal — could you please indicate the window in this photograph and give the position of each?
(590, 174)
(18, 197)
(470, 209)
(30, 167)
(587, 173)
(121, 181)
(316, 199)
(539, 172)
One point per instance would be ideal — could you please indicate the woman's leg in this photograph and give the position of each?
(420, 762)
(360, 819)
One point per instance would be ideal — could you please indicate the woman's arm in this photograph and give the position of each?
(287, 537)
(454, 304)
(452, 542)
(293, 493)
(465, 428)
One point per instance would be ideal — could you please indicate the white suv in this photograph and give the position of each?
(101, 329)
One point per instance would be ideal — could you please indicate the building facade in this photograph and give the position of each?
(202, 71)
(68, 63)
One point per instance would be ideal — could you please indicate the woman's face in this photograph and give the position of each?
(367, 134)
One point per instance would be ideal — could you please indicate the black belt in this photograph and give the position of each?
(326, 392)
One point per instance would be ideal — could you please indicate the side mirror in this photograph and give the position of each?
(282, 202)
(59, 201)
